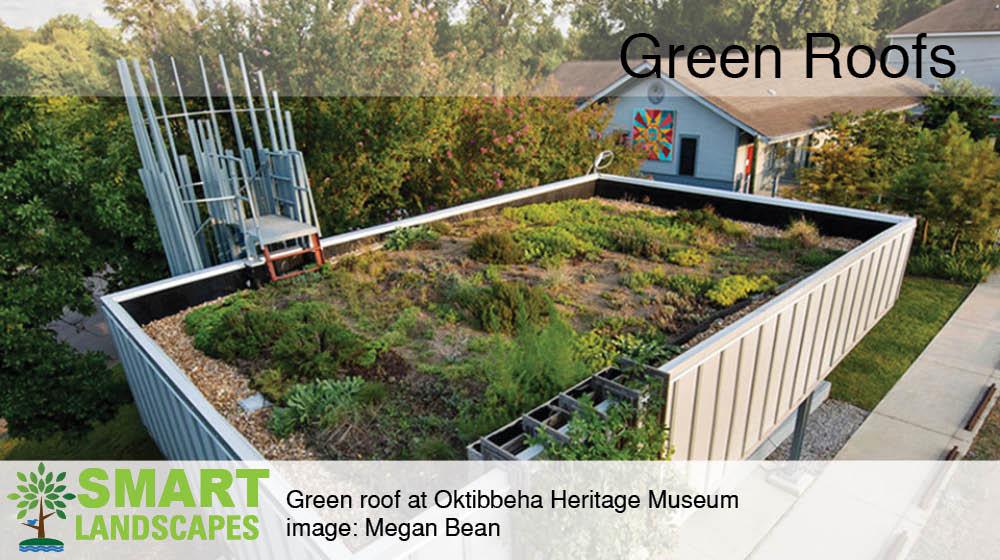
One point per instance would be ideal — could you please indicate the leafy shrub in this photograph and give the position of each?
(508, 306)
(636, 281)
(599, 348)
(688, 285)
(803, 232)
(315, 342)
(236, 327)
(969, 264)
(731, 289)
(523, 373)
(496, 248)
(321, 402)
(818, 257)
(687, 257)
(46, 385)
(415, 237)
(625, 433)
(553, 244)
(272, 384)
(123, 437)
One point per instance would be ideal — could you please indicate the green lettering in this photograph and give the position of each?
(176, 489)
(253, 477)
(143, 485)
(89, 482)
(217, 482)
(251, 531)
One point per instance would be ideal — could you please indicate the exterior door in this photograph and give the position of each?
(689, 154)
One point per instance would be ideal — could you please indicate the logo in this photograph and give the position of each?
(39, 496)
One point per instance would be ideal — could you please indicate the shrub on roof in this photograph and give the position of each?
(522, 373)
(553, 244)
(509, 306)
(323, 402)
(731, 289)
(416, 237)
(496, 248)
(315, 343)
(803, 232)
(236, 327)
(687, 257)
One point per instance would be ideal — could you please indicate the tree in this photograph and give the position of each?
(859, 159)
(786, 22)
(973, 104)
(954, 184)
(894, 13)
(71, 199)
(71, 56)
(42, 490)
(13, 72)
(506, 43)
(602, 26)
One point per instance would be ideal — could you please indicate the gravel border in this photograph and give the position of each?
(829, 428)
(224, 386)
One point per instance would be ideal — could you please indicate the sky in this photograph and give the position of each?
(32, 13)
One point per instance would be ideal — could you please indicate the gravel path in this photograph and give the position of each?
(830, 426)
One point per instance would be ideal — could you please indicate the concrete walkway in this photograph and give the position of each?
(924, 415)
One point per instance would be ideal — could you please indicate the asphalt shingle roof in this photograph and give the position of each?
(770, 106)
(960, 16)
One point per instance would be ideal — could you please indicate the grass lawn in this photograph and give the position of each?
(121, 438)
(881, 358)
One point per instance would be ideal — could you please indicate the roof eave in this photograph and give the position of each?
(685, 90)
(910, 34)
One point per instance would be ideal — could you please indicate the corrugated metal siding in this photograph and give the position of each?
(177, 420)
(728, 393)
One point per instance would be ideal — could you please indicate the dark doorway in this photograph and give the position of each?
(689, 152)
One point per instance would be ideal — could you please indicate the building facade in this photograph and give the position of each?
(971, 28)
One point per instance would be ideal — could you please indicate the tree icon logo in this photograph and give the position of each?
(45, 493)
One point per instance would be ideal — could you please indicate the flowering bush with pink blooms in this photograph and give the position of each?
(376, 159)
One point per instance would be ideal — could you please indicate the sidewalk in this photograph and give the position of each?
(925, 413)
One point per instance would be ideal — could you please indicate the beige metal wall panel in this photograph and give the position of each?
(729, 392)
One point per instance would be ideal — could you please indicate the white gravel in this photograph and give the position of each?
(829, 428)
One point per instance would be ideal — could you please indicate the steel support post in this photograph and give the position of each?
(801, 421)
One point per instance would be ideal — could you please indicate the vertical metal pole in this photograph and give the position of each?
(267, 111)
(801, 421)
(166, 118)
(211, 106)
(253, 111)
(232, 109)
(282, 138)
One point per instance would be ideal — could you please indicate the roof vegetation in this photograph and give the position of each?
(452, 330)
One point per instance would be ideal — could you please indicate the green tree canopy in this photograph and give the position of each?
(974, 106)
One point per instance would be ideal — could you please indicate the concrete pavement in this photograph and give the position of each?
(924, 415)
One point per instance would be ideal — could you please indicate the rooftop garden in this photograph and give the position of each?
(450, 330)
